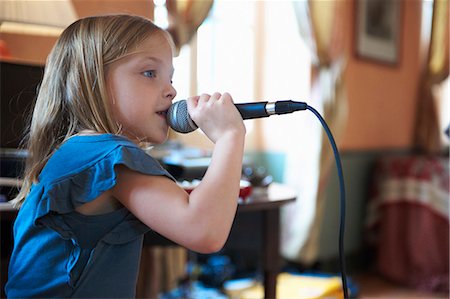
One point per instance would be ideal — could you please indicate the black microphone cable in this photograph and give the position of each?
(283, 107)
(341, 201)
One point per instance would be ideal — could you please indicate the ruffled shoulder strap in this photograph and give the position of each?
(81, 170)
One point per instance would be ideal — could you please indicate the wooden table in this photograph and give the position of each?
(256, 225)
(268, 204)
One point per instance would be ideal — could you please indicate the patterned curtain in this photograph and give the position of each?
(320, 24)
(427, 132)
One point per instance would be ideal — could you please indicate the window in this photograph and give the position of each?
(254, 51)
(222, 53)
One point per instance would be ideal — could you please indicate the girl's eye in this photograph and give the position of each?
(149, 74)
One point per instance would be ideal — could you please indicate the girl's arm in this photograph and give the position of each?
(202, 220)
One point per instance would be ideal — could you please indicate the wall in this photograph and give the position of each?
(382, 99)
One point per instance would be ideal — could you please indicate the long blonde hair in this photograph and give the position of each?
(73, 95)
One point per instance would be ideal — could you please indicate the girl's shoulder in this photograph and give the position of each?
(83, 151)
(84, 167)
(97, 155)
(93, 145)
(97, 139)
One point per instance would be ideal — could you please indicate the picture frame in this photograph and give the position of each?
(378, 30)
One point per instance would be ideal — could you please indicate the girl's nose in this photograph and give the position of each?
(171, 92)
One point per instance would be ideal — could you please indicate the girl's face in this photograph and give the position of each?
(140, 90)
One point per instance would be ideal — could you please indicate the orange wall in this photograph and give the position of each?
(382, 99)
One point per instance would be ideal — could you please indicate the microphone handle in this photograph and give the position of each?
(266, 109)
(252, 110)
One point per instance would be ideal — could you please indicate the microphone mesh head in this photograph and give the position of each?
(178, 118)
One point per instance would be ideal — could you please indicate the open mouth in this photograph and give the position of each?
(162, 113)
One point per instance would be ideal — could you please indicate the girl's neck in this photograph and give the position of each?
(84, 133)
(87, 132)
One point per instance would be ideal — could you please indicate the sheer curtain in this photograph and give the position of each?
(428, 132)
(320, 24)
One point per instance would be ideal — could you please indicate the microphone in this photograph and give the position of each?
(180, 121)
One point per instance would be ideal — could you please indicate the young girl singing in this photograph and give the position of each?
(90, 192)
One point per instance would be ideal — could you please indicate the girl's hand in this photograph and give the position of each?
(216, 115)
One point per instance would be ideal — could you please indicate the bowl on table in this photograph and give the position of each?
(244, 192)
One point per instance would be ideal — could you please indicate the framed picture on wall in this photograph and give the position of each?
(377, 34)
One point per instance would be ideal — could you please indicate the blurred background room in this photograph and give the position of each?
(376, 70)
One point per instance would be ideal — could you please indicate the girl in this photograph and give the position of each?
(90, 192)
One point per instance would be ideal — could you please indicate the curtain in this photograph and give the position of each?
(408, 221)
(185, 16)
(427, 138)
(320, 24)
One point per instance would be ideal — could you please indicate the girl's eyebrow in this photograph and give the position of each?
(148, 58)
(157, 60)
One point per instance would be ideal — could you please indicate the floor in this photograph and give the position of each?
(373, 286)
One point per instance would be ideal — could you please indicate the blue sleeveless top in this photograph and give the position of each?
(51, 256)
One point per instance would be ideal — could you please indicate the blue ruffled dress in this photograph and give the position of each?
(50, 258)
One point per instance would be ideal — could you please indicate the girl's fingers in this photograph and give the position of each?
(204, 98)
(216, 96)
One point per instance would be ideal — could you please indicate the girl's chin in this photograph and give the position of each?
(149, 138)
(159, 139)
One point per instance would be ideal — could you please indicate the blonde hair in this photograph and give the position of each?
(73, 94)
